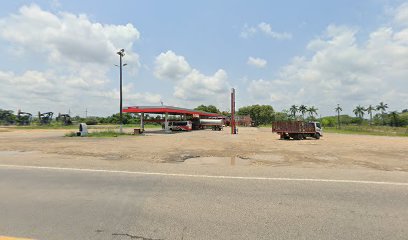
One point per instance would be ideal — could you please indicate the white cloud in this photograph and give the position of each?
(78, 54)
(401, 14)
(66, 38)
(266, 29)
(248, 31)
(342, 71)
(130, 97)
(189, 83)
(170, 66)
(44, 91)
(197, 86)
(257, 62)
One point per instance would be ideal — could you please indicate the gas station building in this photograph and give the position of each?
(166, 111)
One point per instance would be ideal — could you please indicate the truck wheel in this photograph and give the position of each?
(297, 136)
(317, 136)
(285, 136)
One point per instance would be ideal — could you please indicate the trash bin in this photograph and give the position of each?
(83, 130)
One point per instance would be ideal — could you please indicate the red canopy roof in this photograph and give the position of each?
(167, 109)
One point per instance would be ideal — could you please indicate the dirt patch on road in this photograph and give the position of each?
(252, 147)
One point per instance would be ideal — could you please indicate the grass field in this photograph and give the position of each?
(51, 126)
(364, 130)
(109, 129)
(76, 126)
(101, 134)
(369, 130)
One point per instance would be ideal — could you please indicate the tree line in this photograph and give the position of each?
(265, 114)
(303, 110)
(7, 117)
(262, 115)
(393, 118)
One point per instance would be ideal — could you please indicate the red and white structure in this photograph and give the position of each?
(166, 111)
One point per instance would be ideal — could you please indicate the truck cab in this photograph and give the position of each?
(318, 127)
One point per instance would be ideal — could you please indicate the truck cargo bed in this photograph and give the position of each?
(293, 127)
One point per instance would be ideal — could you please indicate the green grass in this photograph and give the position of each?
(364, 130)
(76, 126)
(70, 134)
(101, 134)
(51, 126)
(148, 126)
(107, 133)
(369, 130)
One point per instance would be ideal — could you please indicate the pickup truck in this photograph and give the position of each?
(297, 130)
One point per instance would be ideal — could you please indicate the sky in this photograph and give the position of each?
(60, 55)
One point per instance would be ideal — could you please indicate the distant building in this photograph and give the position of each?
(242, 121)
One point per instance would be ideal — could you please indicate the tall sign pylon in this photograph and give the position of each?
(233, 124)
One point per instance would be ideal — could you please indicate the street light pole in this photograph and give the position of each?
(232, 122)
(121, 53)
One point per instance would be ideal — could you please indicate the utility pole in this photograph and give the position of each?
(233, 127)
(121, 53)
(86, 112)
(338, 115)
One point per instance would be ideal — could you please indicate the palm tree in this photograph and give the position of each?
(338, 109)
(394, 115)
(381, 107)
(293, 110)
(370, 110)
(359, 112)
(312, 111)
(303, 110)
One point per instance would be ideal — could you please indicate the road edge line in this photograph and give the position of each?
(206, 176)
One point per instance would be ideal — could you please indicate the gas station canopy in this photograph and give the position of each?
(169, 110)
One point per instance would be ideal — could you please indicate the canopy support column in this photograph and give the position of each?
(166, 122)
(142, 122)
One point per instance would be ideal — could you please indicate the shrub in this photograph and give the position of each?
(91, 121)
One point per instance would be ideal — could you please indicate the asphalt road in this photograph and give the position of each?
(65, 204)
